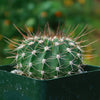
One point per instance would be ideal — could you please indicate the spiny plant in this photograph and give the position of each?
(46, 55)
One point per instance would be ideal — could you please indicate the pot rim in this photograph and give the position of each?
(91, 69)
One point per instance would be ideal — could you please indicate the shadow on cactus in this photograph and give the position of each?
(48, 55)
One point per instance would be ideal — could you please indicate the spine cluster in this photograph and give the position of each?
(45, 57)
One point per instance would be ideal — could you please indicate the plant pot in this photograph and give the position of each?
(84, 86)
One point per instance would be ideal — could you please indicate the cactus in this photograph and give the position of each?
(48, 56)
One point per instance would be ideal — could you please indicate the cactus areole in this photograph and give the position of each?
(45, 57)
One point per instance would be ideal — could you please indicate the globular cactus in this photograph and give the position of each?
(47, 57)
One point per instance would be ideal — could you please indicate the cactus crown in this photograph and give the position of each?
(48, 56)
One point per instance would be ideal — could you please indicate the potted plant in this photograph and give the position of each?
(49, 67)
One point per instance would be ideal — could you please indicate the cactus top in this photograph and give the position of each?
(44, 57)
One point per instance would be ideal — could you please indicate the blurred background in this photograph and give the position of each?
(36, 13)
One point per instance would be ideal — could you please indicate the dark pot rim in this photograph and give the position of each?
(87, 68)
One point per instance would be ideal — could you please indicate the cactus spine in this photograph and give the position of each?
(47, 57)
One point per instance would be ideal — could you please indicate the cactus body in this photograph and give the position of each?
(45, 57)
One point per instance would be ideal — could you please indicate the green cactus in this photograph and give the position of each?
(47, 57)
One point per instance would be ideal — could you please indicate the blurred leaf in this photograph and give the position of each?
(30, 22)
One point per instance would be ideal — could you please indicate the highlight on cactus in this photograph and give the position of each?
(48, 55)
